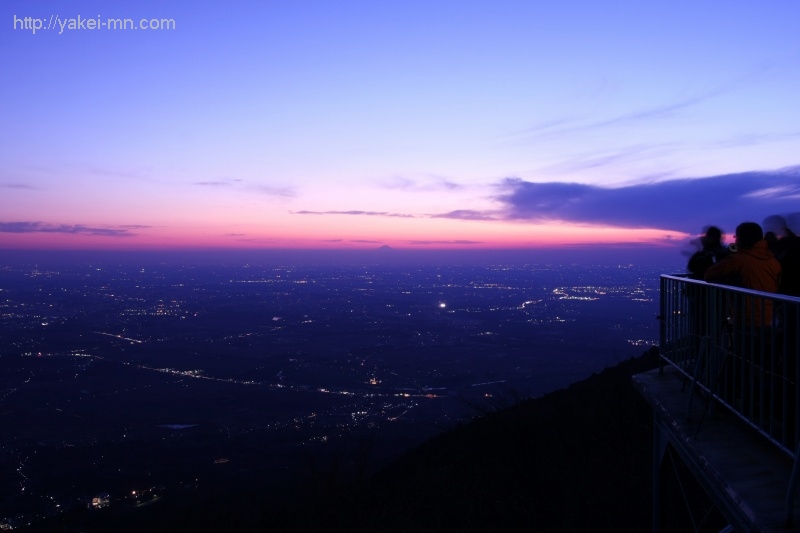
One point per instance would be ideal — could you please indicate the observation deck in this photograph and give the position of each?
(725, 399)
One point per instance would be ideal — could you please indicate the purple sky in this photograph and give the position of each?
(414, 124)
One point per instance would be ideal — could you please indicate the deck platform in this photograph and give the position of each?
(745, 475)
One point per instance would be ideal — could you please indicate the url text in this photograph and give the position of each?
(55, 22)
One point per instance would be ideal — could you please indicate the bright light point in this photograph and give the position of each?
(442, 305)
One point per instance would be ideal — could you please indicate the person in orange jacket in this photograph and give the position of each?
(752, 266)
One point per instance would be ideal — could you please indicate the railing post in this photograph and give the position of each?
(662, 314)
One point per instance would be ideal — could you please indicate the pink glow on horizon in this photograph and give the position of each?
(450, 235)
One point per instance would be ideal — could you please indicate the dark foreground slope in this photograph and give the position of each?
(579, 459)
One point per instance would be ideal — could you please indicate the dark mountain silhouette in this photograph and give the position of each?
(578, 459)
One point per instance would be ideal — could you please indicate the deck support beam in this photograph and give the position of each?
(659, 450)
(744, 475)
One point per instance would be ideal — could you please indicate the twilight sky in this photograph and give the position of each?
(416, 124)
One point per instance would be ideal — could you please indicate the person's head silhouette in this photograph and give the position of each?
(747, 235)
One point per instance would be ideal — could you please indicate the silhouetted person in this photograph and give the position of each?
(772, 242)
(711, 253)
(788, 255)
(790, 267)
(752, 266)
(776, 232)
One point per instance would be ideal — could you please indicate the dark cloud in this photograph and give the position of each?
(236, 234)
(364, 213)
(679, 204)
(214, 183)
(38, 227)
(364, 241)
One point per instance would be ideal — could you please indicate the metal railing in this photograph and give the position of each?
(740, 347)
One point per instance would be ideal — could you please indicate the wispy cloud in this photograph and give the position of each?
(236, 183)
(19, 186)
(141, 174)
(467, 214)
(779, 192)
(353, 212)
(564, 126)
(624, 154)
(39, 227)
(432, 242)
(261, 240)
(753, 139)
(406, 184)
(287, 192)
(678, 204)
